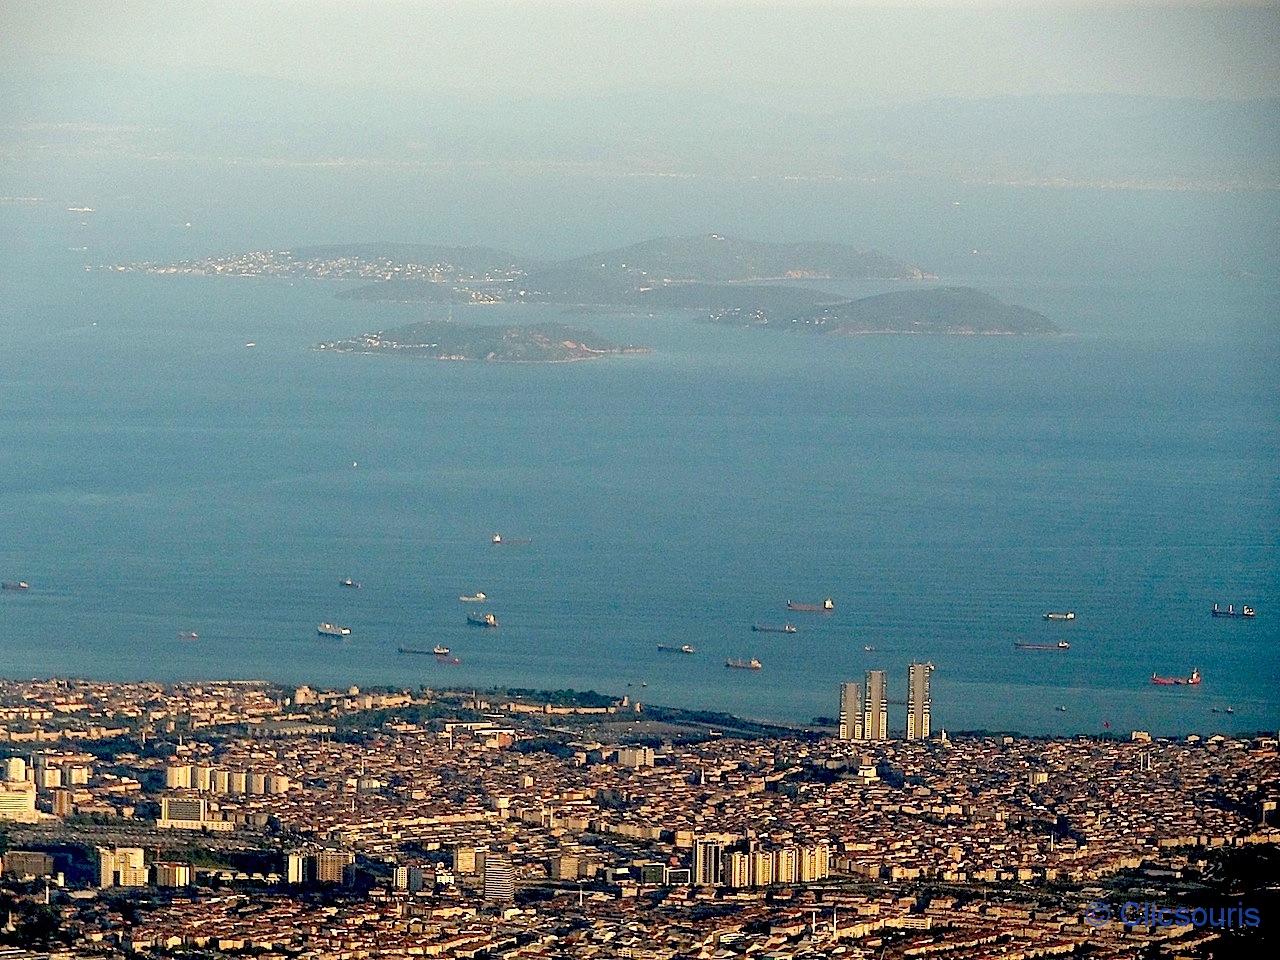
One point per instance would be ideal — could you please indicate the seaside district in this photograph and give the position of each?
(245, 818)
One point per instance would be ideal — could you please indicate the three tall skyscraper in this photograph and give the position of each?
(864, 710)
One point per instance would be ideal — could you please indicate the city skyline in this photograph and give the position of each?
(595, 835)
(864, 707)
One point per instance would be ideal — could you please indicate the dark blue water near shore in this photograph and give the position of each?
(157, 477)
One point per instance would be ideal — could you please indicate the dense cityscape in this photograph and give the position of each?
(229, 818)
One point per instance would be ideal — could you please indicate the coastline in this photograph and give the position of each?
(625, 721)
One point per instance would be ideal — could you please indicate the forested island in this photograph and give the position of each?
(450, 340)
(936, 310)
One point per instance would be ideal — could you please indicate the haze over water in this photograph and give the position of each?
(161, 477)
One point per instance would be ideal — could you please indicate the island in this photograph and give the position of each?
(937, 310)
(670, 272)
(732, 282)
(449, 340)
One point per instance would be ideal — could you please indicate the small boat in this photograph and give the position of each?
(348, 582)
(752, 664)
(1230, 710)
(498, 540)
(16, 585)
(483, 620)
(332, 630)
(476, 597)
(416, 650)
(672, 648)
(440, 651)
(1177, 681)
(190, 635)
(868, 649)
(767, 628)
(1231, 611)
(825, 606)
(1060, 645)
(1069, 615)
(1061, 708)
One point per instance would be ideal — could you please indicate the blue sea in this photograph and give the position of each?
(160, 477)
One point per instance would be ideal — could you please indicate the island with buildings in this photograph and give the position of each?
(243, 818)
(450, 340)
(781, 286)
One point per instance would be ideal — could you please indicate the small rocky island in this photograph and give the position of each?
(937, 310)
(449, 340)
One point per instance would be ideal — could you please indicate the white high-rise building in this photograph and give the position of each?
(919, 703)
(18, 801)
(875, 710)
(121, 867)
(499, 879)
(708, 863)
(850, 711)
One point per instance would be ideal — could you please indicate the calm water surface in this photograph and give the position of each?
(157, 477)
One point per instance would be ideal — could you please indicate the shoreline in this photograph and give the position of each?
(563, 705)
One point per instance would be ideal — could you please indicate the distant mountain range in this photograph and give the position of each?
(97, 111)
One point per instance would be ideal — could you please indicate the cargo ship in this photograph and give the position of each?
(1190, 681)
(752, 664)
(766, 628)
(1069, 615)
(1231, 611)
(672, 648)
(824, 607)
(1060, 645)
(332, 630)
(483, 620)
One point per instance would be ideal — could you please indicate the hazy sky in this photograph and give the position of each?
(824, 52)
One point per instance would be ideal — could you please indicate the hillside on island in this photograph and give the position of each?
(937, 310)
(736, 282)
(450, 340)
(626, 276)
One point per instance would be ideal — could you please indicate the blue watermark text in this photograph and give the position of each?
(1134, 913)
